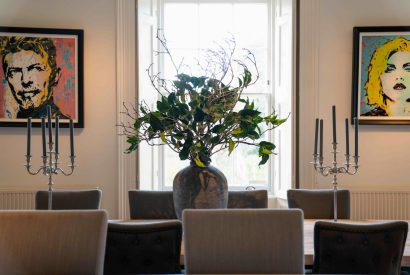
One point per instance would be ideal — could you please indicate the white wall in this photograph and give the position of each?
(325, 80)
(96, 144)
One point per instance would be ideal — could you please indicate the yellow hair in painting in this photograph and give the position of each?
(377, 66)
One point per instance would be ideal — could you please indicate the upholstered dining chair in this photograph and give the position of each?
(52, 242)
(147, 248)
(318, 203)
(248, 199)
(69, 199)
(341, 248)
(243, 241)
(151, 204)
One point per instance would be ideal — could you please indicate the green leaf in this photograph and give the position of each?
(237, 131)
(134, 142)
(231, 146)
(265, 151)
(194, 104)
(249, 112)
(198, 162)
(199, 115)
(155, 123)
(266, 144)
(218, 129)
(183, 155)
(132, 139)
(162, 135)
(138, 122)
(171, 98)
(215, 140)
(247, 77)
(142, 109)
(132, 148)
(265, 158)
(163, 105)
(253, 135)
(183, 109)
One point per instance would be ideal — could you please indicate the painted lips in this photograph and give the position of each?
(399, 86)
(28, 94)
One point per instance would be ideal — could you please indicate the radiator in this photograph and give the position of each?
(16, 199)
(363, 204)
(389, 205)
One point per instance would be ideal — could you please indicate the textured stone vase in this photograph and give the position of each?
(199, 187)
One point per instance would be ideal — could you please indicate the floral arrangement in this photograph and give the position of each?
(199, 115)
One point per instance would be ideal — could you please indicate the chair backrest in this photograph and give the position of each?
(243, 241)
(69, 199)
(318, 203)
(342, 248)
(160, 204)
(151, 204)
(248, 199)
(52, 242)
(149, 248)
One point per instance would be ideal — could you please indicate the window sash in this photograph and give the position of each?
(265, 91)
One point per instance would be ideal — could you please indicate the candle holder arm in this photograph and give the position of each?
(28, 166)
(71, 166)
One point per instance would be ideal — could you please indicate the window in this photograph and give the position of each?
(191, 26)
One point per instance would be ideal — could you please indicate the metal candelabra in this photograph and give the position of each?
(51, 156)
(335, 169)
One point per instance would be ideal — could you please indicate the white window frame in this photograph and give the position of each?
(156, 176)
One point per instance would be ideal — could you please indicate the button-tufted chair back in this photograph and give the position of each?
(148, 248)
(342, 248)
(69, 199)
(318, 203)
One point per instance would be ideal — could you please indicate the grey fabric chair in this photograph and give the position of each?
(52, 242)
(248, 199)
(243, 241)
(342, 248)
(318, 203)
(69, 199)
(160, 204)
(148, 248)
(151, 204)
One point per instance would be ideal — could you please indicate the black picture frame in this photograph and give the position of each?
(67, 97)
(373, 48)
